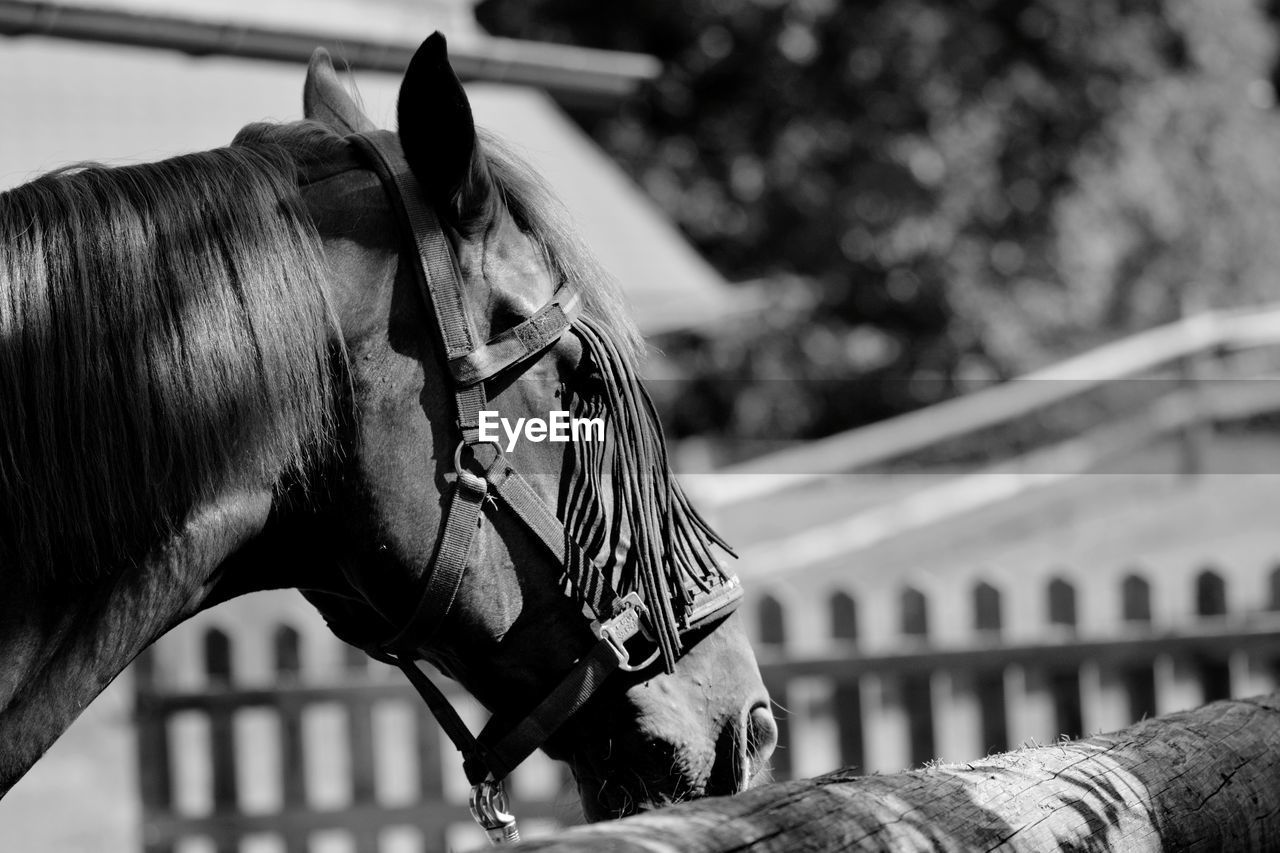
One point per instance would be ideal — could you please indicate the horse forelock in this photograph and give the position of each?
(164, 334)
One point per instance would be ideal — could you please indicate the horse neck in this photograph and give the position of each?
(60, 648)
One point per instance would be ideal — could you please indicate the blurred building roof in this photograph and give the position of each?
(67, 101)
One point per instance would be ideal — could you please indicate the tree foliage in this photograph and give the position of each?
(967, 188)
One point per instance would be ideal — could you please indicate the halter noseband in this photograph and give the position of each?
(483, 471)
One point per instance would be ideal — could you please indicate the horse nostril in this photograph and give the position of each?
(762, 735)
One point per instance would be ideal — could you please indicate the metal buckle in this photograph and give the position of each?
(629, 614)
(489, 809)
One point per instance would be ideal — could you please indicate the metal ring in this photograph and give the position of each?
(460, 469)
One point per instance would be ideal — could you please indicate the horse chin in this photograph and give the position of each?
(623, 785)
(620, 786)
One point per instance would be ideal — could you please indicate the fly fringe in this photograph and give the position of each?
(634, 528)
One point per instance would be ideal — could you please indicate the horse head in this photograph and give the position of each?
(701, 724)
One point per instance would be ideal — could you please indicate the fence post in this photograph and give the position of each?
(430, 774)
(222, 740)
(154, 780)
(293, 791)
(363, 784)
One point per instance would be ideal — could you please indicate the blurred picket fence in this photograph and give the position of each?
(263, 734)
(892, 705)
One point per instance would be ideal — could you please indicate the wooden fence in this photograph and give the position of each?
(259, 737)
(349, 762)
(892, 711)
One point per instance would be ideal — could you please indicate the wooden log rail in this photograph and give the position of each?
(1202, 780)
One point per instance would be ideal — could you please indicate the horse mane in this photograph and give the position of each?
(164, 335)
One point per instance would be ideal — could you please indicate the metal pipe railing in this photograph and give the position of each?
(574, 76)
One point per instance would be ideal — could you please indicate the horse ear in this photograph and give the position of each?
(436, 129)
(325, 100)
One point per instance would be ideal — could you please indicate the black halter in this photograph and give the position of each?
(483, 471)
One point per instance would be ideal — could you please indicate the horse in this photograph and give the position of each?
(260, 367)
